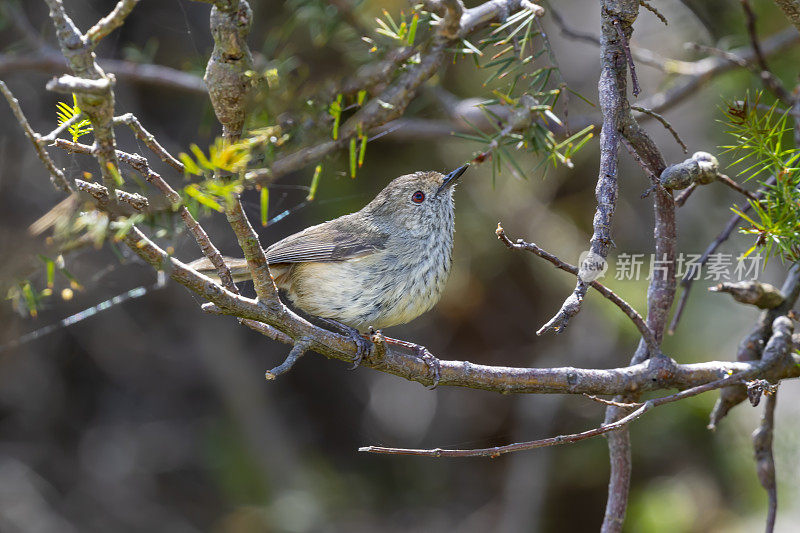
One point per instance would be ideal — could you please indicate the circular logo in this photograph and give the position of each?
(591, 266)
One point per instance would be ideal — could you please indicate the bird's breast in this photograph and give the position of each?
(389, 287)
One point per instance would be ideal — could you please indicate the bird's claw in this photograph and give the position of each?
(433, 364)
(363, 347)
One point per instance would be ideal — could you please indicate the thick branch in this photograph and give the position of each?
(765, 461)
(751, 348)
(780, 342)
(98, 105)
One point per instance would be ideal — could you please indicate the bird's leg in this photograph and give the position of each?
(363, 345)
(423, 353)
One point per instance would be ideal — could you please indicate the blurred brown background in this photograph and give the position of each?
(152, 416)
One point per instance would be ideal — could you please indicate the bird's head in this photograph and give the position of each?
(418, 200)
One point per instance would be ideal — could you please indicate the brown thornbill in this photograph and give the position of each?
(378, 267)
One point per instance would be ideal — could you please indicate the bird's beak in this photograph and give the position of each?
(451, 178)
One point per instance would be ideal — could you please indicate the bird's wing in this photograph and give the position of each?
(336, 240)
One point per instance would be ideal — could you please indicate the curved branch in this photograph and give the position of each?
(625, 307)
(779, 344)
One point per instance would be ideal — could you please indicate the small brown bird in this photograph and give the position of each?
(378, 267)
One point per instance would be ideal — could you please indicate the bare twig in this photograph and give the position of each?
(752, 347)
(110, 22)
(691, 273)
(627, 49)
(624, 306)
(765, 461)
(100, 193)
(50, 137)
(56, 174)
(665, 123)
(298, 350)
(698, 73)
(652, 9)
(736, 187)
(682, 197)
(612, 90)
(149, 140)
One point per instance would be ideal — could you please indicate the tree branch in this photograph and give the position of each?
(698, 73)
(110, 22)
(624, 306)
(779, 344)
(57, 177)
(613, 104)
(765, 461)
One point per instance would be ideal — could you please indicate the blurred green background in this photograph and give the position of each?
(153, 416)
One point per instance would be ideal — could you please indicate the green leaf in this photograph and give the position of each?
(112, 168)
(264, 205)
(314, 183)
(50, 269)
(189, 166)
(363, 151)
(335, 110)
(412, 30)
(203, 198)
(201, 157)
(30, 299)
(353, 157)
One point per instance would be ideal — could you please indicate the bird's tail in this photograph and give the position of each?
(238, 268)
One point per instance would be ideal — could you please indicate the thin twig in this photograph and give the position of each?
(613, 403)
(626, 47)
(690, 275)
(56, 174)
(665, 123)
(652, 9)
(769, 79)
(298, 350)
(624, 306)
(684, 195)
(612, 92)
(149, 140)
(110, 22)
(736, 187)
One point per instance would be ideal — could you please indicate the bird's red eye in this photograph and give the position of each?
(418, 197)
